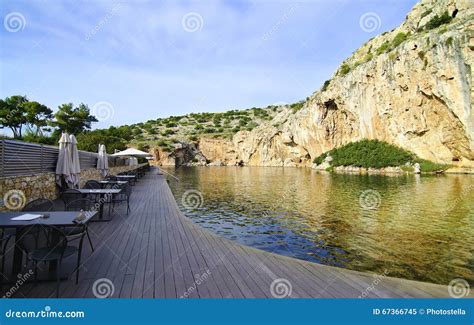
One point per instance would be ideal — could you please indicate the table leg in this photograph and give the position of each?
(101, 206)
(17, 259)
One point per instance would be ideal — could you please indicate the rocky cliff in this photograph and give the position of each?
(412, 87)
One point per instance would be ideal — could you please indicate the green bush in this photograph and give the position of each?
(295, 107)
(437, 21)
(399, 39)
(345, 69)
(368, 154)
(429, 166)
(325, 85)
(426, 13)
(383, 48)
(449, 41)
(368, 57)
(376, 154)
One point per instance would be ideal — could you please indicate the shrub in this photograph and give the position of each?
(383, 48)
(167, 132)
(344, 69)
(325, 85)
(162, 143)
(295, 107)
(429, 166)
(368, 154)
(368, 57)
(449, 41)
(319, 160)
(376, 154)
(437, 21)
(399, 39)
(426, 13)
(392, 55)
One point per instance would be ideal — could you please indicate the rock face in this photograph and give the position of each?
(417, 96)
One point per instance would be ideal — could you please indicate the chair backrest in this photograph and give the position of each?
(70, 195)
(39, 205)
(126, 189)
(80, 204)
(111, 178)
(30, 238)
(92, 184)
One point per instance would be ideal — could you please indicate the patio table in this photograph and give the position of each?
(101, 193)
(104, 183)
(131, 178)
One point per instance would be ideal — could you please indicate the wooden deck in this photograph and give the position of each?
(157, 252)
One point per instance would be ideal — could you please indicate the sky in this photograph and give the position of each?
(132, 61)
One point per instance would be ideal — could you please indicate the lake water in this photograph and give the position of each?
(412, 227)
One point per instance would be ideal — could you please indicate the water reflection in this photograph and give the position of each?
(423, 228)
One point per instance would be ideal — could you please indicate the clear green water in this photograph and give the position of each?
(412, 227)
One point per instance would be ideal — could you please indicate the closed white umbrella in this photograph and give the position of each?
(63, 165)
(102, 161)
(75, 166)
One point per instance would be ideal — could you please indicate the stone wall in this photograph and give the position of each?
(18, 191)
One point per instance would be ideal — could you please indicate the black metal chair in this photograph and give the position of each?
(8, 233)
(5, 236)
(44, 243)
(78, 205)
(111, 178)
(92, 184)
(123, 196)
(70, 195)
(39, 205)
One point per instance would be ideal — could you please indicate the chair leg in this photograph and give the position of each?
(35, 270)
(58, 277)
(79, 253)
(89, 238)
(2, 275)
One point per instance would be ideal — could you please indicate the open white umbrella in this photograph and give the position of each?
(75, 166)
(132, 152)
(63, 166)
(102, 161)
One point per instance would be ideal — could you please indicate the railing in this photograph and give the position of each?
(18, 158)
